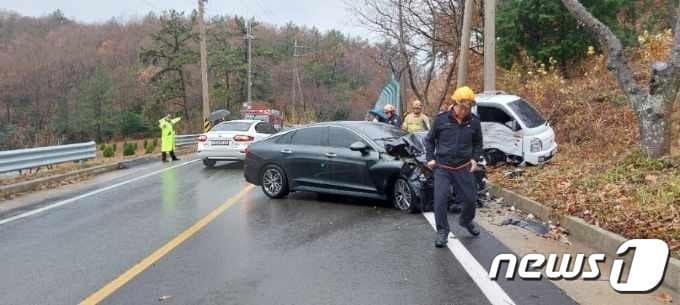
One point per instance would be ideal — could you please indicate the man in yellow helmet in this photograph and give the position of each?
(167, 126)
(453, 145)
(416, 121)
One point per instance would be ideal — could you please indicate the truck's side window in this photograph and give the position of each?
(493, 115)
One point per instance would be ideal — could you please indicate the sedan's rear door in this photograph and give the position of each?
(305, 160)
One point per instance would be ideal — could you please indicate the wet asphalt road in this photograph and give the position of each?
(305, 249)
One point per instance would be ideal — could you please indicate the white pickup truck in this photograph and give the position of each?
(513, 130)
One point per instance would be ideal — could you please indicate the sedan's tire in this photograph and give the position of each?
(274, 182)
(209, 163)
(403, 196)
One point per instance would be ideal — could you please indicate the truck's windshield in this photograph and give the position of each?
(527, 114)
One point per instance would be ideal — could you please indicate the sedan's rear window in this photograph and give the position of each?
(312, 136)
(233, 126)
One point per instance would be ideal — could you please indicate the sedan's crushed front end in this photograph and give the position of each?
(410, 149)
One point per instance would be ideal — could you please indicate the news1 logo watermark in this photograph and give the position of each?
(646, 271)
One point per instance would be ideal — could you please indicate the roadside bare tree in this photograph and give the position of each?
(425, 33)
(653, 105)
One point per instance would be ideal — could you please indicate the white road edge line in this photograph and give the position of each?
(70, 200)
(493, 292)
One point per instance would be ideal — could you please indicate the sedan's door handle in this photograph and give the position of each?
(331, 155)
(286, 151)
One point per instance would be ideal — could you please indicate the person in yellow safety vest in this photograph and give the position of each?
(167, 125)
(416, 121)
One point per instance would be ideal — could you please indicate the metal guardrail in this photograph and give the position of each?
(189, 139)
(20, 159)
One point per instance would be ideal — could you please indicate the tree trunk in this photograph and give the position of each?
(227, 86)
(185, 104)
(653, 107)
(655, 113)
(655, 126)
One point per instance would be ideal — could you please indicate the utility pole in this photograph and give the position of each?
(464, 44)
(204, 64)
(297, 83)
(249, 37)
(490, 45)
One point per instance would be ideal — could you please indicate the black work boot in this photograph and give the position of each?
(172, 154)
(164, 156)
(441, 240)
(471, 228)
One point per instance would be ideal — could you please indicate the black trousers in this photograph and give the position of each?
(465, 188)
(172, 155)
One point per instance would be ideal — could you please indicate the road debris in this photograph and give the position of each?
(527, 224)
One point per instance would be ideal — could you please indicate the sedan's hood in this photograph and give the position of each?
(408, 146)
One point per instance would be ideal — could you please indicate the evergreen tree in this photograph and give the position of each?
(94, 104)
(545, 29)
(171, 52)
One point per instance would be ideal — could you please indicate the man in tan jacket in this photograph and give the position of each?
(416, 121)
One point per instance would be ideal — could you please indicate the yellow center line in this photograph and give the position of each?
(142, 265)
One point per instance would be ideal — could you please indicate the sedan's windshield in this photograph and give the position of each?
(527, 114)
(233, 126)
(381, 132)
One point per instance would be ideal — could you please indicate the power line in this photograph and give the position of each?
(269, 13)
(151, 5)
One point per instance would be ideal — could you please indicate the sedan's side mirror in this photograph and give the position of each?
(359, 146)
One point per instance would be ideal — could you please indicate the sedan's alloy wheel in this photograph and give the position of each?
(402, 195)
(272, 181)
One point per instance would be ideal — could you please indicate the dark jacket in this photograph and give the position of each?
(453, 144)
(392, 121)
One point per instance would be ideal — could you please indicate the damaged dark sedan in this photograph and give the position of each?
(354, 158)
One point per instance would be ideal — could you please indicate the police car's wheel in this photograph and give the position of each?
(403, 196)
(209, 163)
(274, 182)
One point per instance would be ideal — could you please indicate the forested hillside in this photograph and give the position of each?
(63, 81)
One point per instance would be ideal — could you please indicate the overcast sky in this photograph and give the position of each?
(324, 14)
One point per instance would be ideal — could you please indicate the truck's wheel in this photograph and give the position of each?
(494, 156)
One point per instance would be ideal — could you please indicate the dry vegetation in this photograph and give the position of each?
(600, 174)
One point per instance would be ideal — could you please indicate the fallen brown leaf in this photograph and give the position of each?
(665, 298)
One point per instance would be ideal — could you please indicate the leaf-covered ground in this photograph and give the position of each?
(627, 194)
(600, 174)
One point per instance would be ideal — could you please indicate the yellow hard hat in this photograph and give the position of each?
(463, 93)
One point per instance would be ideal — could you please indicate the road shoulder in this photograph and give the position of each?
(522, 242)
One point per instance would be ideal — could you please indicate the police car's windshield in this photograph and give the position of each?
(527, 114)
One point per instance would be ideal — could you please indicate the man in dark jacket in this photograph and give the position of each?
(453, 145)
(390, 116)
